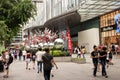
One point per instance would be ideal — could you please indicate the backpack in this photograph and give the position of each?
(10, 59)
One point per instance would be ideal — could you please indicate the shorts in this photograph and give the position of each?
(28, 60)
(7, 66)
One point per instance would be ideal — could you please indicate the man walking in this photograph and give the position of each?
(94, 56)
(47, 64)
(39, 59)
(103, 56)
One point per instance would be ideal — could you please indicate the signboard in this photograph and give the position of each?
(108, 28)
(117, 21)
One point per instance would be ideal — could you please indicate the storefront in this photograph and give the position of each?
(108, 34)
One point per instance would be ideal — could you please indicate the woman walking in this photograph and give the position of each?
(28, 59)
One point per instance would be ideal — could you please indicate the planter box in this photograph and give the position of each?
(79, 60)
(63, 59)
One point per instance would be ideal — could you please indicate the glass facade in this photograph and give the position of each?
(59, 7)
(108, 29)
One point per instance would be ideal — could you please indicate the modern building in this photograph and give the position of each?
(18, 38)
(83, 17)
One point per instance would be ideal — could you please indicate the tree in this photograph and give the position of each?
(14, 14)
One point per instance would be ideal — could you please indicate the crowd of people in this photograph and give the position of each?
(101, 58)
(42, 57)
(80, 51)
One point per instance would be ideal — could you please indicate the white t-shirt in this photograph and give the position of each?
(24, 52)
(39, 55)
(7, 56)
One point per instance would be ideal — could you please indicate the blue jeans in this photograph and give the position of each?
(103, 63)
(95, 62)
(39, 65)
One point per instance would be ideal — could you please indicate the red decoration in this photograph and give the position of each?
(69, 40)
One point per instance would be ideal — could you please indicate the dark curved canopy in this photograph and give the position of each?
(69, 19)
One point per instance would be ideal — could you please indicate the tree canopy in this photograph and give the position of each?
(13, 14)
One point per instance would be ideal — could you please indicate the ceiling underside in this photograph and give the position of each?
(89, 9)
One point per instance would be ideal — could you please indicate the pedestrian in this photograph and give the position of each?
(15, 54)
(110, 56)
(83, 51)
(24, 53)
(28, 59)
(48, 62)
(39, 54)
(20, 54)
(94, 56)
(33, 58)
(113, 48)
(8, 61)
(103, 59)
(78, 51)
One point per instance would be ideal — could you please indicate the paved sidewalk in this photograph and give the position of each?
(66, 71)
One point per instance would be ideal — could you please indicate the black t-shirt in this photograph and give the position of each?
(94, 54)
(47, 61)
(103, 53)
(113, 47)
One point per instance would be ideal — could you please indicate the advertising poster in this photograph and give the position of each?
(117, 21)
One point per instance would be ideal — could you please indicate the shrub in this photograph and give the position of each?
(57, 53)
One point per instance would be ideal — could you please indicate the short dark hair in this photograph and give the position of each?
(94, 46)
(47, 50)
(104, 48)
(40, 49)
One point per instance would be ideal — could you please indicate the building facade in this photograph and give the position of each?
(108, 34)
(57, 13)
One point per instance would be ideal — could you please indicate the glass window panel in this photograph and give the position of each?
(106, 34)
(113, 33)
(106, 21)
(109, 32)
(102, 34)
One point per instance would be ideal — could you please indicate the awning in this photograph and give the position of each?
(68, 19)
